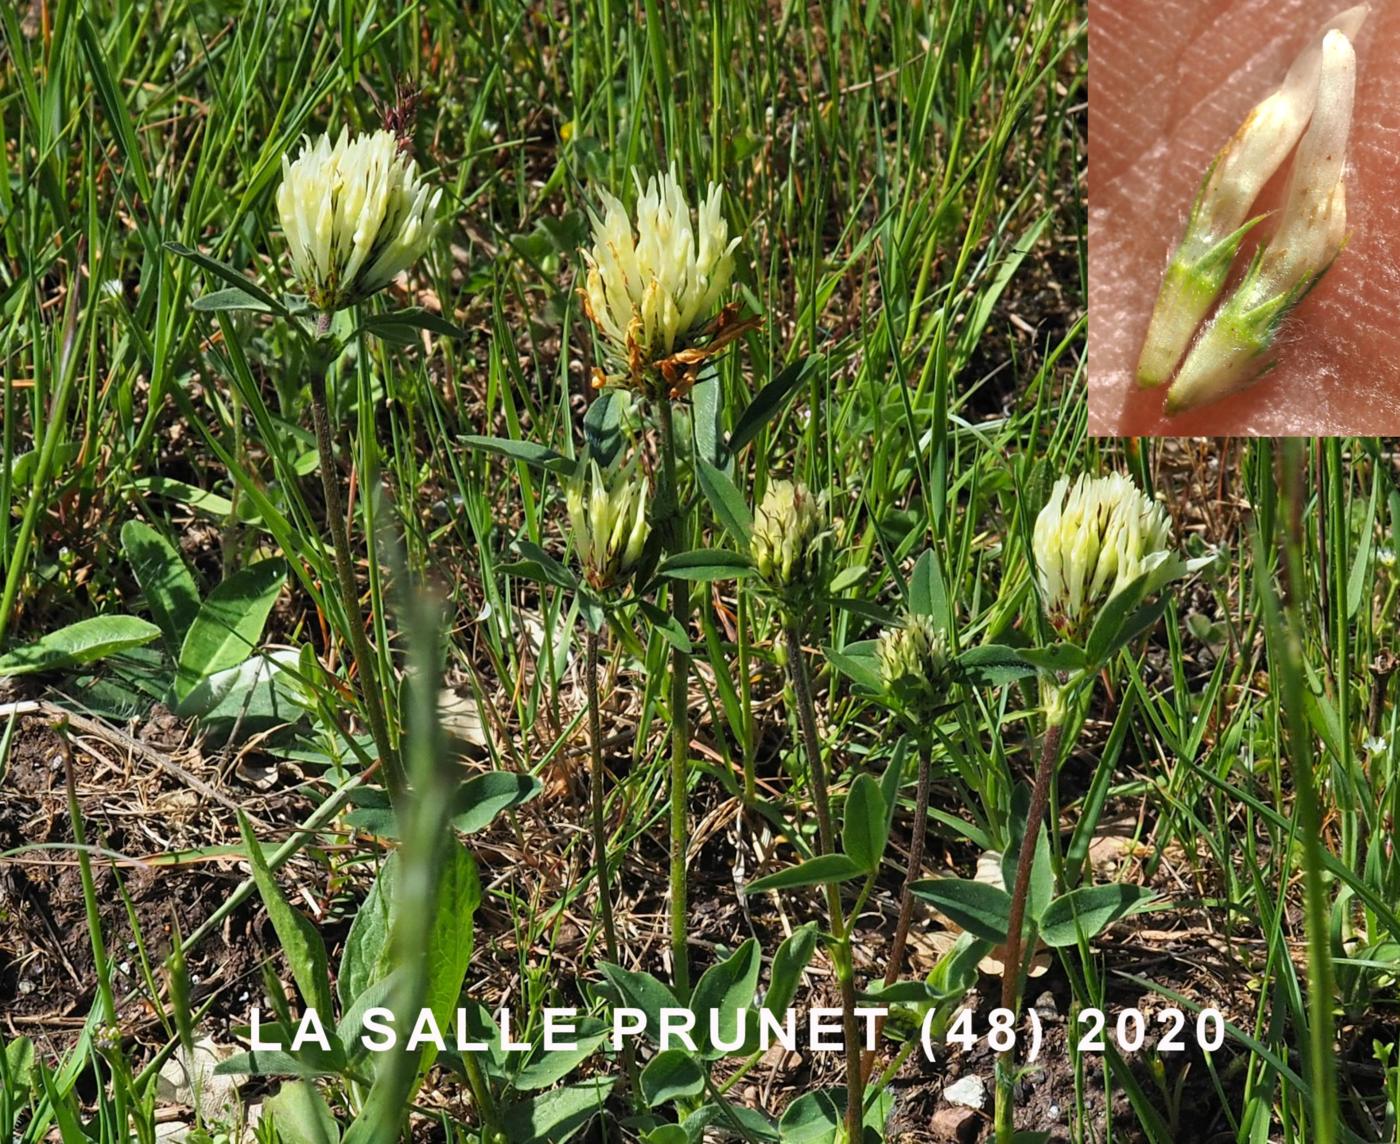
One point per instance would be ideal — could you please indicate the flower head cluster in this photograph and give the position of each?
(786, 542)
(355, 214)
(652, 289)
(913, 659)
(1094, 538)
(609, 523)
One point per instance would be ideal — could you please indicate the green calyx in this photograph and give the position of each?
(1201, 275)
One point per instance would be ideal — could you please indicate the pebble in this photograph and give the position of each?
(955, 1124)
(969, 1091)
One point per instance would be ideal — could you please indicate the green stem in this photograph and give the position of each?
(481, 1094)
(916, 859)
(746, 697)
(841, 936)
(106, 997)
(906, 898)
(1317, 900)
(671, 520)
(1012, 970)
(17, 555)
(600, 829)
(345, 569)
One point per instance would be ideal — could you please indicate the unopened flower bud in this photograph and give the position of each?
(609, 524)
(787, 529)
(913, 661)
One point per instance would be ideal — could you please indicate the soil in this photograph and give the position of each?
(47, 977)
(46, 961)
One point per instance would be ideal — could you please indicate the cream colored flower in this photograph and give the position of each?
(609, 524)
(651, 288)
(1094, 538)
(913, 661)
(787, 530)
(355, 214)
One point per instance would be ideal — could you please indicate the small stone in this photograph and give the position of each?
(954, 1125)
(969, 1091)
(180, 1077)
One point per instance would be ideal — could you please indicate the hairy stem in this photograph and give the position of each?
(600, 829)
(1012, 969)
(1284, 620)
(345, 570)
(670, 517)
(841, 936)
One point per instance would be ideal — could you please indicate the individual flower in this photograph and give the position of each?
(787, 530)
(1233, 349)
(1219, 218)
(355, 214)
(913, 659)
(1094, 538)
(653, 290)
(609, 522)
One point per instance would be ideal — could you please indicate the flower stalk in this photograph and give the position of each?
(345, 570)
(788, 551)
(355, 215)
(599, 818)
(607, 518)
(914, 669)
(1094, 540)
(671, 519)
(1013, 971)
(651, 291)
(906, 897)
(826, 844)
(916, 858)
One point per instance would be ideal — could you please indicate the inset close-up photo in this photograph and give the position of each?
(1244, 228)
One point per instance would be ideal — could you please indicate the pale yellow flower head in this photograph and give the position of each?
(651, 285)
(609, 524)
(787, 530)
(355, 214)
(913, 659)
(1094, 538)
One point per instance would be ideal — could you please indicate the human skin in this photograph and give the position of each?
(1170, 82)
